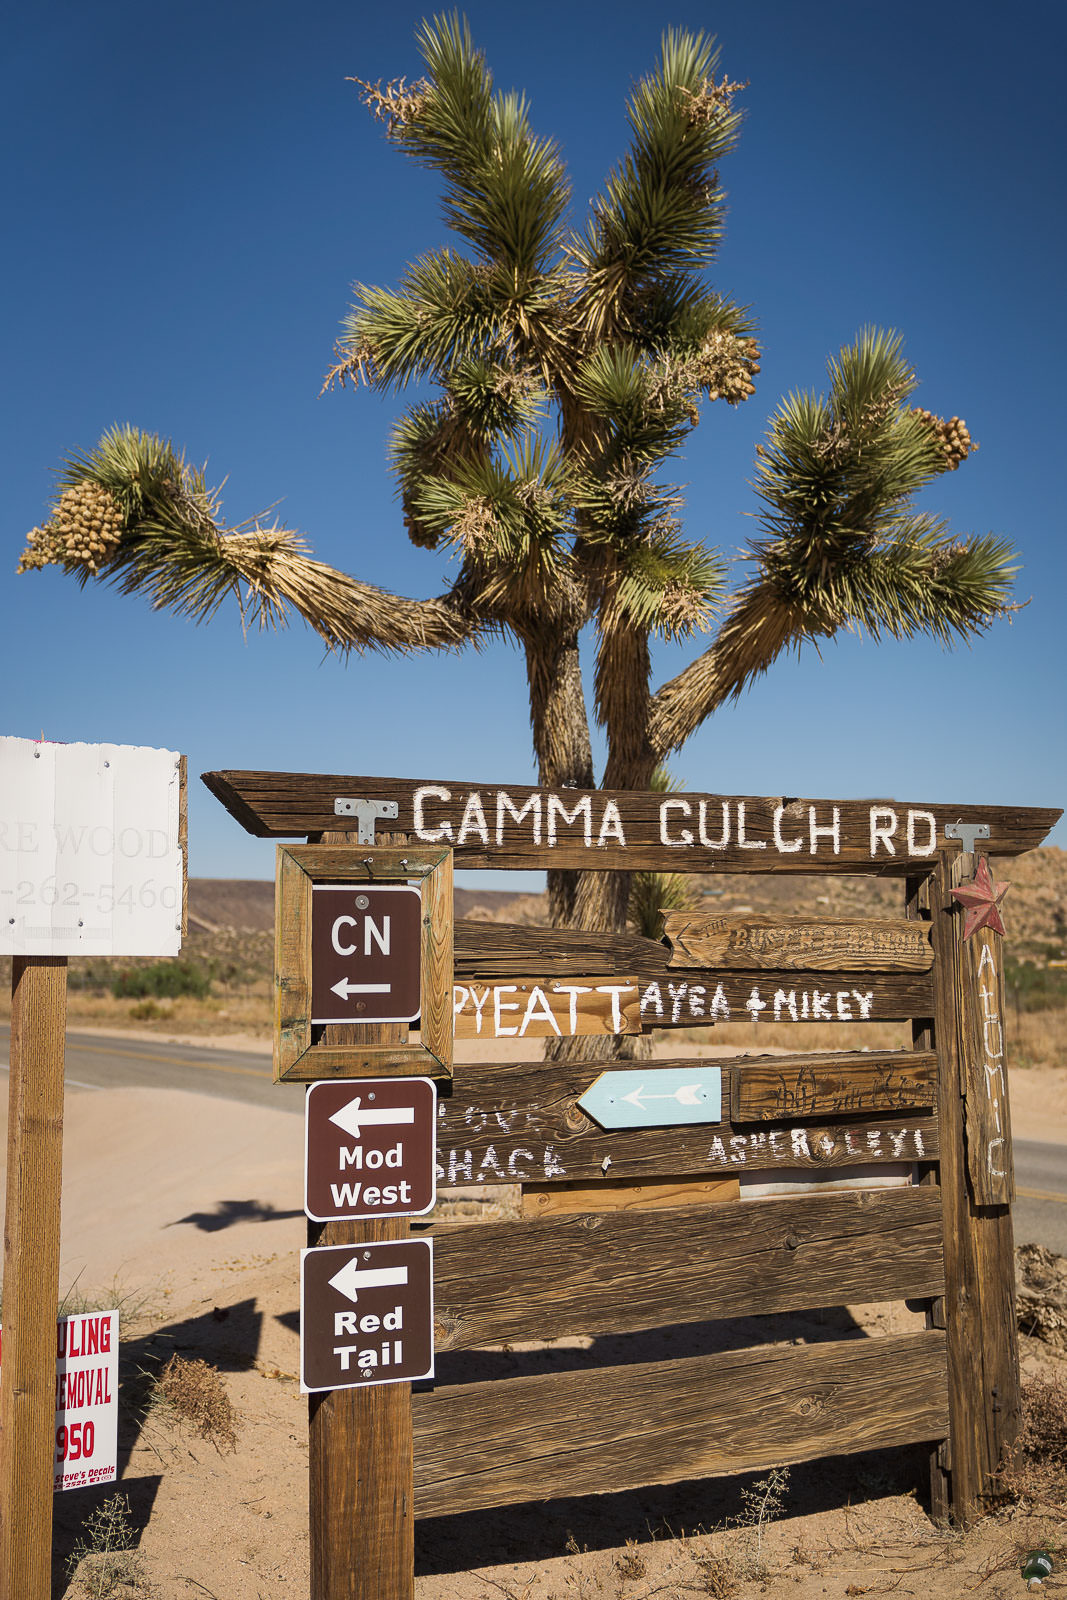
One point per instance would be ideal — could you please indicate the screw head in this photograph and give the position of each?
(362, 902)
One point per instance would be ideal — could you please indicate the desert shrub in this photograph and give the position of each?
(1037, 1471)
(652, 893)
(104, 1561)
(193, 1391)
(96, 976)
(164, 980)
(1033, 987)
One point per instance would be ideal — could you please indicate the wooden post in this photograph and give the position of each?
(361, 1455)
(31, 1275)
(979, 1308)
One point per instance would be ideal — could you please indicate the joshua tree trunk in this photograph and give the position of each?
(560, 727)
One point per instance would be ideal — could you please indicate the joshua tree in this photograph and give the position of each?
(566, 367)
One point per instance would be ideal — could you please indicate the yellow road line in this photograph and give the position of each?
(1041, 1194)
(173, 1061)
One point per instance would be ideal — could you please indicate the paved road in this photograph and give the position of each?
(97, 1062)
(94, 1061)
(1041, 1194)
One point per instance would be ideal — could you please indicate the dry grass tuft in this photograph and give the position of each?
(718, 1574)
(104, 1561)
(1036, 1475)
(631, 1564)
(1041, 1294)
(194, 1391)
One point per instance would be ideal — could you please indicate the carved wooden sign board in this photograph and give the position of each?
(545, 1008)
(489, 825)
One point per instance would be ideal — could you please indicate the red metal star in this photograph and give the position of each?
(982, 900)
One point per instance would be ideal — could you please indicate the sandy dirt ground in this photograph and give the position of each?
(186, 1212)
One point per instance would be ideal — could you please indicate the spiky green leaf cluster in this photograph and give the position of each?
(583, 358)
(845, 544)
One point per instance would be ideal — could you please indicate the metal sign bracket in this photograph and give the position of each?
(967, 833)
(366, 813)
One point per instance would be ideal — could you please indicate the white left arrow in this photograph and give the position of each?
(351, 1279)
(687, 1094)
(350, 1118)
(345, 987)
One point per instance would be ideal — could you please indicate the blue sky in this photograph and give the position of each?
(193, 189)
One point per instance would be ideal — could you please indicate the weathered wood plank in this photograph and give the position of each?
(519, 1122)
(917, 907)
(773, 1088)
(603, 1273)
(571, 1433)
(699, 939)
(571, 1199)
(438, 960)
(983, 1362)
(292, 962)
(31, 1274)
(545, 1008)
(491, 825)
(360, 1451)
(986, 1107)
(501, 949)
(496, 951)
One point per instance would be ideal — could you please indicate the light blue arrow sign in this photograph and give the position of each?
(655, 1098)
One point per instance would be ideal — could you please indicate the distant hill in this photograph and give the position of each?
(247, 904)
(1035, 910)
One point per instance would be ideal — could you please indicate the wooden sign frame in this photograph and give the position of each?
(298, 1057)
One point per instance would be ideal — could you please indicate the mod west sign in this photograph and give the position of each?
(370, 1148)
(91, 852)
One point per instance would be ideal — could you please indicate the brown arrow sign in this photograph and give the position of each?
(366, 1314)
(370, 1148)
(366, 945)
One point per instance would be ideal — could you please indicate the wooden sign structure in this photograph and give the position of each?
(826, 1178)
(92, 861)
(305, 943)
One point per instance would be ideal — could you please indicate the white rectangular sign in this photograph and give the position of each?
(90, 856)
(87, 1399)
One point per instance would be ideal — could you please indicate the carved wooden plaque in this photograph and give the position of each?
(796, 943)
(781, 1088)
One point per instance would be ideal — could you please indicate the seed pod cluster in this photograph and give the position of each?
(728, 366)
(952, 435)
(83, 530)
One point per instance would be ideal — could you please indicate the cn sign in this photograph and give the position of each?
(366, 946)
